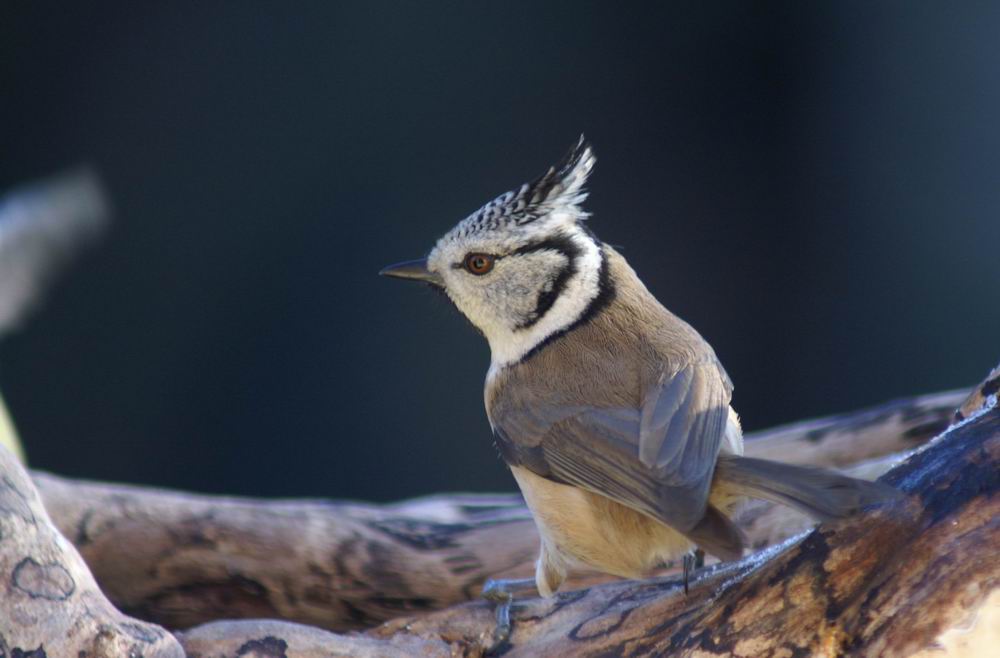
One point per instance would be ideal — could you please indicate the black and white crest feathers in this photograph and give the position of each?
(560, 189)
(562, 185)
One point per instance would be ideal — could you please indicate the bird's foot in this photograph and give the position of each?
(501, 592)
(692, 561)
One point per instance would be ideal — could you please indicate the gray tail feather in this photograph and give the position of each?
(818, 492)
(718, 535)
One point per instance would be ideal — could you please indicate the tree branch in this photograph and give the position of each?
(887, 581)
(913, 575)
(49, 602)
(183, 559)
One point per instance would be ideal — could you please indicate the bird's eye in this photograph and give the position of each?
(479, 264)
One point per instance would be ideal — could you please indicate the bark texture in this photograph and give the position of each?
(262, 638)
(236, 573)
(912, 578)
(890, 582)
(49, 602)
(182, 559)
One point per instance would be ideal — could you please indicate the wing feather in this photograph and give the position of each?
(657, 459)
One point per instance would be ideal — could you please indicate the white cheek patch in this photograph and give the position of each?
(528, 299)
(513, 309)
(509, 344)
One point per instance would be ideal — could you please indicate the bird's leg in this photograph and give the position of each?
(692, 561)
(502, 593)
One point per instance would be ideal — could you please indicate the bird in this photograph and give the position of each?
(41, 224)
(612, 413)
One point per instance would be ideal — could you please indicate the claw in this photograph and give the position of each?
(692, 561)
(501, 593)
(688, 563)
(496, 592)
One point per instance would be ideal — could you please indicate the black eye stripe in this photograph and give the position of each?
(547, 298)
(605, 296)
(561, 243)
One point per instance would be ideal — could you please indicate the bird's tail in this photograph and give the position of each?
(820, 493)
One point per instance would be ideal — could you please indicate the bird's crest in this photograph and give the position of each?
(558, 190)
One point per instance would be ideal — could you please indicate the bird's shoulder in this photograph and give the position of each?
(634, 343)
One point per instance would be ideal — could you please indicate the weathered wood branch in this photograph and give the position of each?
(267, 638)
(185, 559)
(888, 582)
(918, 576)
(49, 602)
(182, 559)
(847, 439)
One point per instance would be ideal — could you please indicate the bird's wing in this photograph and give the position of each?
(657, 459)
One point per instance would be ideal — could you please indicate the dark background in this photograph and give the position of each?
(814, 186)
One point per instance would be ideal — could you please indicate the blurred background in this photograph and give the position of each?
(814, 186)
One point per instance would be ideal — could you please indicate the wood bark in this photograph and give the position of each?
(917, 577)
(268, 638)
(49, 602)
(888, 582)
(182, 559)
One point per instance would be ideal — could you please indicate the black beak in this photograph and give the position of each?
(413, 269)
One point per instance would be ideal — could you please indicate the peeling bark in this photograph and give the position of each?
(49, 602)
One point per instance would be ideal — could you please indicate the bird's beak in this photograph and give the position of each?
(413, 269)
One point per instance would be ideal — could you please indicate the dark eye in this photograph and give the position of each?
(479, 264)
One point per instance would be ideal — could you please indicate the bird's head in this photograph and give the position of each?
(523, 267)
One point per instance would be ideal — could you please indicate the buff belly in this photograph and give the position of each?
(578, 527)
